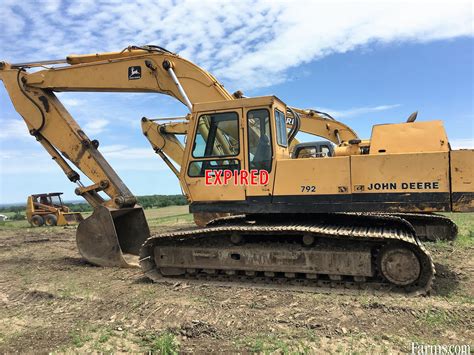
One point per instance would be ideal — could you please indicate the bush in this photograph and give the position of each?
(80, 207)
(20, 208)
(154, 201)
(18, 216)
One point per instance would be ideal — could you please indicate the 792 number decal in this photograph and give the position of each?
(308, 188)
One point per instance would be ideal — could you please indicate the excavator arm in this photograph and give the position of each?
(118, 226)
(322, 125)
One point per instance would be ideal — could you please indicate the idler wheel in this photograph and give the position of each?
(399, 265)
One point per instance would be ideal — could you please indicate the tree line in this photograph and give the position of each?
(149, 201)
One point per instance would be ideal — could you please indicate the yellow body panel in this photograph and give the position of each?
(462, 180)
(410, 137)
(29, 208)
(298, 176)
(462, 170)
(406, 173)
(200, 192)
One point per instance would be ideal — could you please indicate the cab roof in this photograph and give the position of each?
(237, 103)
(48, 194)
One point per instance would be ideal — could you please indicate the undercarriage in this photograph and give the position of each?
(361, 251)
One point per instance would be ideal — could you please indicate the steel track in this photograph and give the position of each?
(428, 227)
(350, 232)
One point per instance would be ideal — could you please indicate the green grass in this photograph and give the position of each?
(117, 338)
(70, 288)
(183, 218)
(270, 344)
(105, 342)
(164, 343)
(169, 211)
(78, 338)
(168, 215)
(465, 223)
(438, 318)
(5, 225)
(105, 336)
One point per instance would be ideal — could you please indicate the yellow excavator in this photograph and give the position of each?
(350, 215)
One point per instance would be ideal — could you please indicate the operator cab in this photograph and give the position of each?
(52, 199)
(234, 137)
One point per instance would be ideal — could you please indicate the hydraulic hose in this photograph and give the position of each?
(296, 124)
(34, 131)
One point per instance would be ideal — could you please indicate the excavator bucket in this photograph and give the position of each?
(113, 237)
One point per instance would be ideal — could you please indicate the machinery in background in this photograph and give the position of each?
(48, 209)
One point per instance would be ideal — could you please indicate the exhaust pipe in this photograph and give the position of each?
(113, 237)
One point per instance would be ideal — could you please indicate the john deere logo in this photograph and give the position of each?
(134, 73)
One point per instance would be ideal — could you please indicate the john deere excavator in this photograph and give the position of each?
(353, 217)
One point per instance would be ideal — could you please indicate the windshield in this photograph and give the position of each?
(56, 200)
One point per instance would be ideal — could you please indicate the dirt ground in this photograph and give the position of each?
(51, 300)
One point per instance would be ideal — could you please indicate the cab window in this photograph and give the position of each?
(282, 133)
(198, 168)
(217, 135)
(259, 140)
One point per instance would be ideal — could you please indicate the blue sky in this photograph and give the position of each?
(365, 62)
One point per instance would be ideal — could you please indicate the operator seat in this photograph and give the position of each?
(263, 154)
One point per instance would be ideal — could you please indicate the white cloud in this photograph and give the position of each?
(95, 126)
(13, 129)
(26, 161)
(247, 44)
(357, 111)
(462, 143)
(72, 102)
(124, 152)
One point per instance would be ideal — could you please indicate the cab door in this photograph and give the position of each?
(260, 151)
(216, 150)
